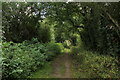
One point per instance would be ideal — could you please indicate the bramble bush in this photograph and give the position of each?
(19, 60)
(94, 64)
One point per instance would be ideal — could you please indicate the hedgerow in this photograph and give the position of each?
(94, 64)
(21, 59)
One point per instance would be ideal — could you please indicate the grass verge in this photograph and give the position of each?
(44, 72)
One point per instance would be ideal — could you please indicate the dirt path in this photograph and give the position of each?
(67, 66)
(57, 64)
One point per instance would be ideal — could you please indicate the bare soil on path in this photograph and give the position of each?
(57, 64)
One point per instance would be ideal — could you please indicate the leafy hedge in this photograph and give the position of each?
(61, 47)
(94, 64)
(53, 50)
(21, 59)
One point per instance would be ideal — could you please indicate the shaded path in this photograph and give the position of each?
(57, 64)
(67, 66)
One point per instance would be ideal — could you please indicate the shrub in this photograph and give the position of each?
(44, 33)
(96, 65)
(53, 50)
(104, 66)
(61, 47)
(74, 51)
(21, 59)
(65, 44)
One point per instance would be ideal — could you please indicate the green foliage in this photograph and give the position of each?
(61, 47)
(53, 50)
(20, 21)
(74, 51)
(44, 34)
(43, 72)
(65, 44)
(21, 59)
(74, 40)
(100, 32)
(95, 24)
(95, 65)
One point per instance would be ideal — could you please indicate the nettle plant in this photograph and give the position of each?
(21, 59)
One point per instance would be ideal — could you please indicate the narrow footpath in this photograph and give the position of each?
(57, 65)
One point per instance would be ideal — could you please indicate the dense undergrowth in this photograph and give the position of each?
(93, 64)
(96, 25)
(43, 72)
(21, 59)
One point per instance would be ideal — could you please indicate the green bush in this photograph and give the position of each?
(74, 51)
(94, 64)
(104, 66)
(61, 47)
(65, 44)
(44, 33)
(21, 59)
(53, 50)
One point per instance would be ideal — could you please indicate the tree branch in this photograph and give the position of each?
(113, 20)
